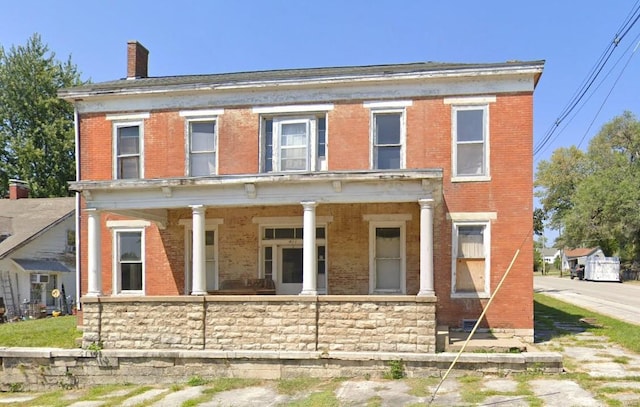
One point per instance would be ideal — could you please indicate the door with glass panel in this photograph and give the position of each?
(282, 259)
(290, 271)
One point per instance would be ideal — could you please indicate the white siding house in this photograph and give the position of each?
(37, 255)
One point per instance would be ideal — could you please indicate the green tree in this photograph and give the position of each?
(538, 221)
(36, 128)
(556, 182)
(606, 210)
(596, 198)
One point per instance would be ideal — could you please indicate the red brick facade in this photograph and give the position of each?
(506, 193)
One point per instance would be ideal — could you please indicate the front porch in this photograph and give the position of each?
(325, 324)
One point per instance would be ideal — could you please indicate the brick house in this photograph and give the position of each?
(328, 209)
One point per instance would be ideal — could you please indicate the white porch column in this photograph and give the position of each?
(94, 250)
(199, 270)
(426, 247)
(309, 256)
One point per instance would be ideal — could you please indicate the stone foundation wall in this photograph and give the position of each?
(265, 323)
(40, 369)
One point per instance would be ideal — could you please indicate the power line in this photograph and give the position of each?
(608, 94)
(595, 72)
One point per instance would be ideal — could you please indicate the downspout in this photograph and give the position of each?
(76, 129)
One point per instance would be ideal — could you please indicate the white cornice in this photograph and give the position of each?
(213, 97)
(360, 188)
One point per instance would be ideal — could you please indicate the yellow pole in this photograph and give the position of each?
(484, 311)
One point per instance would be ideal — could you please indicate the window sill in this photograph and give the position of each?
(470, 295)
(475, 178)
(130, 294)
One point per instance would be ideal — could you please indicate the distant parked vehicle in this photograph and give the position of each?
(577, 272)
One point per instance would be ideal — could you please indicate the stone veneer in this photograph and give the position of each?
(399, 324)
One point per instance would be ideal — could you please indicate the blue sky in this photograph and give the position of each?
(191, 37)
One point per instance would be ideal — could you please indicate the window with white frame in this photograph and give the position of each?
(388, 139)
(128, 150)
(471, 259)
(387, 250)
(129, 261)
(294, 143)
(202, 147)
(470, 136)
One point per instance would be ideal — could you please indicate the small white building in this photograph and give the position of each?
(37, 253)
(549, 254)
(573, 257)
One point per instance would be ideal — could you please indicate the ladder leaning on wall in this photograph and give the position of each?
(9, 297)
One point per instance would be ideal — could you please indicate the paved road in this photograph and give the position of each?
(617, 300)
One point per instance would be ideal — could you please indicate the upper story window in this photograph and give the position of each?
(470, 135)
(128, 151)
(387, 140)
(128, 130)
(70, 243)
(388, 134)
(202, 147)
(294, 143)
(293, 138)
(201, 141)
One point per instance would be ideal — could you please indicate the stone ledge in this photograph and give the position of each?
(43, 368)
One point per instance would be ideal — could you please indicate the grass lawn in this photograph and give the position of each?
(60, 332)
(548, 310)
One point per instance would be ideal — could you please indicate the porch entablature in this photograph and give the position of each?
(250, 190)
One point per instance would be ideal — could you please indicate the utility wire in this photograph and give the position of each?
(608, 94)
(579, 109)
(624, 29)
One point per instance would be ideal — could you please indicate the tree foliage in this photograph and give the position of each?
(597, 198)
(36, 128)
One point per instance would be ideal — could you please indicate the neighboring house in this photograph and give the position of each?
(549, 254)
(374, 203)
(37, 252)
(573, 257)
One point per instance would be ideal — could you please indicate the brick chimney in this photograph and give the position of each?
(18, 189)
(137, 60)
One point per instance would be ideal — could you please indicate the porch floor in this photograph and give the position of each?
(486, 342)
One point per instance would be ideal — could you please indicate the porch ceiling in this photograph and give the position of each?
(263, 189)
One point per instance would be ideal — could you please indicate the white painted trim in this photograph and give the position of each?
(292, 109)
(372, 255)
(481, 178)
(127, 116)
(486, 145)
(401, 217)
(487, 257)
(208, 222)
(403, 135)
(287, 220)
(187, 142)
(319, 96)
(114, 135)
(133, 223)
(198, 113)
(116, 280)
(387, 104)
(469, 100)
(471, 216)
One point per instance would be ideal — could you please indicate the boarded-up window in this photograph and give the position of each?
(470, 273)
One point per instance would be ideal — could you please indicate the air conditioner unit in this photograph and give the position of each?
(40, 278)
